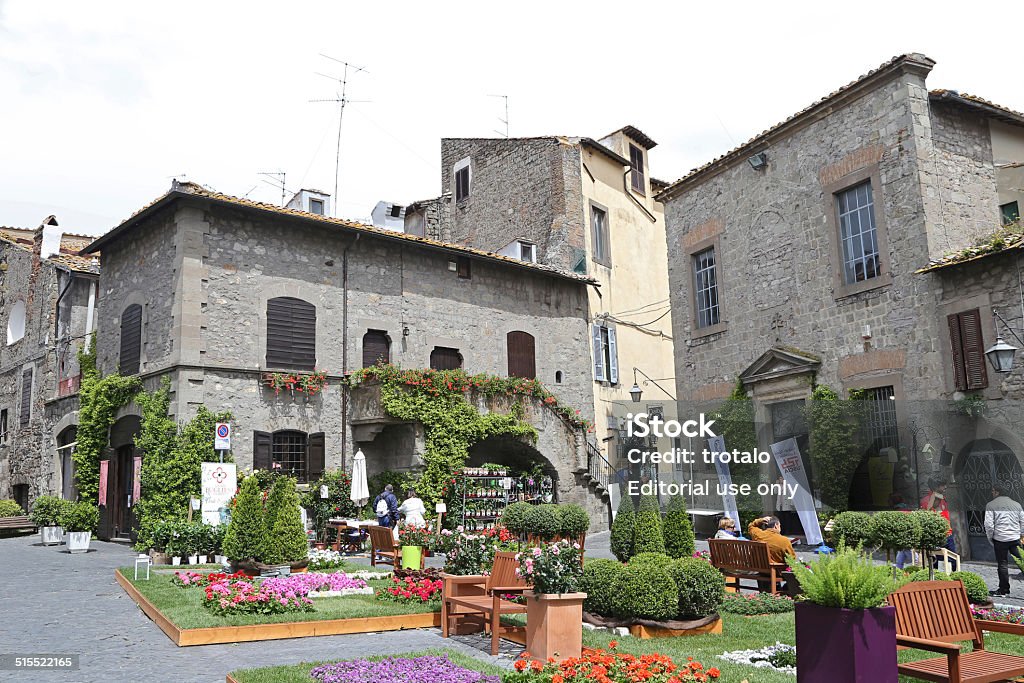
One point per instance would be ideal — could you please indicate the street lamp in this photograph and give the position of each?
(636, 392)
(1000, 356)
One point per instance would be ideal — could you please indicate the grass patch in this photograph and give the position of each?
(299, 673)
(184, 606)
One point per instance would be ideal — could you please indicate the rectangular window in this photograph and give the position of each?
(526, 252)
(606, 361)
(461, 183)
(705, 288)
(636, 162)
(462, 267)
(445, 358)
(1010, 213)
(599, 225)
(968, 350)
(291, 334)
(316, 206)
(858, 236)
(26, 398)
(3, 425)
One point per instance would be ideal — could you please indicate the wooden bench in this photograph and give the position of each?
(746, 561)
(20, 523)
(482, 595)
(384, 548)
(936, 616)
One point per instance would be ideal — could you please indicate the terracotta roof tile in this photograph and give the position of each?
(975, 102)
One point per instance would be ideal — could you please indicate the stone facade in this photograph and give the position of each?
(776, 238)
(46, 356)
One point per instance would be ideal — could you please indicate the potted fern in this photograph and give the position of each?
(845, 633)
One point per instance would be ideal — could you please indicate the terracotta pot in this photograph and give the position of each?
(554, 625)
(320, 546)
(299, 570)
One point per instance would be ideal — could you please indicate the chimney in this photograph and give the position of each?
(46, 238)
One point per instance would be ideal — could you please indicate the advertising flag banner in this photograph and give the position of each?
(104, 466)
(219, 483)
(716, 445)
(136, 479)
(787, 456)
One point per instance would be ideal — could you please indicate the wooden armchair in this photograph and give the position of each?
(936, 616)
(746, 560)
(482, 595)
(384, 548)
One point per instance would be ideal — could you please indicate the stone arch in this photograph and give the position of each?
(979, 464)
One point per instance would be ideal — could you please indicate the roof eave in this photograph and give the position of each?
(598, 147)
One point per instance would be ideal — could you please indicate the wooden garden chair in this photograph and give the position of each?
(482, 595)
(936, 616)
(384, 548)
(746, 560)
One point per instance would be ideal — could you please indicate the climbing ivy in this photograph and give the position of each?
(734, 421)
(436, 398)
(99, 400)
(835, 451)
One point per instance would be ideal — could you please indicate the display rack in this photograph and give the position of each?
(485, 494)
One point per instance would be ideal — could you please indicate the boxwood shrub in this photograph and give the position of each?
(515, 516)
(758, 603)
(598, 582)
(9, 508)
(700, 587)
(46, 510)
(678, 532)
(622, 529)
(851, 529)
(575, 520)
(644, 591)
(659, 560)
(934, 528)
(544, 521)
(648, 536)
(977, 590)
(894, 530)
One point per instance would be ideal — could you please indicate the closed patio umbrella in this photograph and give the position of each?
(360, 489)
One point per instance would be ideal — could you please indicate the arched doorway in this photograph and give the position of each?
(124, 464)
(533, 478)
(980, 464)
(65, 450)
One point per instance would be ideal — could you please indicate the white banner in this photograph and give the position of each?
(716, 445)
(219, 482)
(787, 455)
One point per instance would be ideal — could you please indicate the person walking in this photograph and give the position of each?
(1004, 526)
(413, 509)
(385, 506)
(936, 502)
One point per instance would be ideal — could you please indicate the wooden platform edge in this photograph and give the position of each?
(230, 679)
(150, 610)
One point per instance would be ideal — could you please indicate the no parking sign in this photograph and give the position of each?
(222, 437)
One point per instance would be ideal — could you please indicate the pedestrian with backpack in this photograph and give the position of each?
(385, 506)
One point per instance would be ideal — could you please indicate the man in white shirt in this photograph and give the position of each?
(1004, 525)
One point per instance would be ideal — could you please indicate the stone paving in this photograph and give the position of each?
(56, 603)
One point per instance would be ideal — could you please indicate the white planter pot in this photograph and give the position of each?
(78, 541)
(175, 561)
(193, 559)
(51, 535)
(220, 559)
(202, 559)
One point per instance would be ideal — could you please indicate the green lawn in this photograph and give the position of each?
(183, 606)
(299, 673)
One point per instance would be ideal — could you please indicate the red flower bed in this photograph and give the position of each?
(411, 590)
(612, 667)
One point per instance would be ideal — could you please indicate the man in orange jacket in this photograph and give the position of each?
(768, 529)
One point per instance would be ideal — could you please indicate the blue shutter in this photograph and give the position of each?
(598, 354)
(613, 357)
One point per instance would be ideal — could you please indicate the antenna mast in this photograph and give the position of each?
(342, 100)
(279, 177)
(503, 120)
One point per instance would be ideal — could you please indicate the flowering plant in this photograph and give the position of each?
(1006, 615)
(411, 590)
(320, 560)
(186, 579)
(426, 669)
(411, 535)
(301, 585)
(307, 383)
(612, 667)
(552, 568)
(237, 596)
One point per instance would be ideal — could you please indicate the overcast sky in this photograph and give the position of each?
(102, 104)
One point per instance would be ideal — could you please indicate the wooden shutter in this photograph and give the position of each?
(463, 267)
(613, 356)
(376, 347)
(131, 340)
(316, 458)
(957, 349)
(261, 451)
(291, 334)
(974, 349)
(26, 397)
(598, 354)
(444, 358)
(521, 356)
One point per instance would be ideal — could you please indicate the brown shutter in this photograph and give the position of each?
(26, 397)
(973, 349)
(444, 358)
(291, 334)
(957, 349)
(376, 347)
(463, 267)
(131, 340)
(521, 357)
(261, 451)
(317, 457)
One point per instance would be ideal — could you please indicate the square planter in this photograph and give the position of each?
(51, 535)
(554, 625)
(78, 541)
(845, 645)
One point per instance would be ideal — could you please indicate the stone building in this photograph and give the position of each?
(584, 205)
(48, 300)
(216, 292)
(797, 258)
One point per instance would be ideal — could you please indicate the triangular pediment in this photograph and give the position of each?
(780, 361)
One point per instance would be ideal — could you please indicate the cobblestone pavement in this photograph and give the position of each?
(56, 603)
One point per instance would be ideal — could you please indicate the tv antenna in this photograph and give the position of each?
(341, 99)
(503, 120)
(277, 182)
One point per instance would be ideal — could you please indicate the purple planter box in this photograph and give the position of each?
(845, 645)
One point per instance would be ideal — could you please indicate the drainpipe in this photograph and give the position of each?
(629, 193)
(344, 348)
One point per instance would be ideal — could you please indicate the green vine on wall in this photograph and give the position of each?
(735, 420)
(99, 400)
(835, 449)
(437, 399)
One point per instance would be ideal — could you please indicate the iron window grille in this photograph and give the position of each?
(706, 288)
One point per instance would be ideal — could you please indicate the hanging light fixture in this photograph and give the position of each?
(1000, 355)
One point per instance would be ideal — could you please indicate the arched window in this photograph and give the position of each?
(65, 449)
(16, 322)
(376, 348)
(290, 452)
(445, 358)
(291, 334)
(131, 340)
(521, 358)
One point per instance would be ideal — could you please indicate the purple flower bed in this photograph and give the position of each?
(1008, 615)
(425, 669)
(301, 584)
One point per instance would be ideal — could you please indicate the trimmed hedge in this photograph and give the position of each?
(645, 592)
(9, 508)
(598, 582)
(657, 560)
(678, 532)
(515, 516)
(80, 516)
(575, 520)
(622, 529)
(544, 521)
(934, 528)
(893, 530)
(700, 587)
(977, 590)
(851, 529)
(647, 535)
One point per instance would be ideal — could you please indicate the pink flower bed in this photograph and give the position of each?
(303, 584)
(245, 597)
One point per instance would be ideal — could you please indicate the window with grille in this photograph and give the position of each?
(857, 234)
(636, 163)
(288, 453)
(705, 288)
(291, 334)
(968, 350)
(376, 348)
(131, 340)
(444, 358)
(879, 427)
